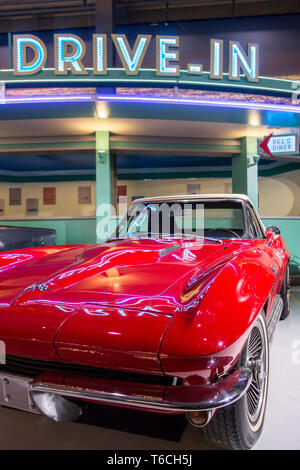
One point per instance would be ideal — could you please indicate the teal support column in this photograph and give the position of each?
(245, 171)
(105, 185)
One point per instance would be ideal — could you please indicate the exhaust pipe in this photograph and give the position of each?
(55, 406)
(199, 419)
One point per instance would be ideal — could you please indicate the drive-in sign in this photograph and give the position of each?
(30, 55)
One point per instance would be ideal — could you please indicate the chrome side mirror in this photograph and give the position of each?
(272, 232)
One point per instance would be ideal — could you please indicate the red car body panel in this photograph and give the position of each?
(123, 305)
(113, 338)
(233, 295)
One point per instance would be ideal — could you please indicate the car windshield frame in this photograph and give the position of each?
(246, 235)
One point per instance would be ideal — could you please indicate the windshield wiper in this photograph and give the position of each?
(173, 235)
(198, 236)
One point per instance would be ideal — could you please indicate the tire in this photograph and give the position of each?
(239, 425)
(285, 294)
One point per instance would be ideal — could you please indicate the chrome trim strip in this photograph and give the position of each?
(274, 316)
(275, 271)
(280, 217)
(222, 393)
(272, 237)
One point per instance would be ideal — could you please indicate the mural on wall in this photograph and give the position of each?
(2, 207)
(193, 188)
(84, 195)
(62, 199)
(121, 193)
(15, 196)
(32, 206)
(49, 196)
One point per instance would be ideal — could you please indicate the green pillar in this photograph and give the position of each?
(245, 171)
(105, 185)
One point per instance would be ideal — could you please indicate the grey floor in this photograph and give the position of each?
(120, 429)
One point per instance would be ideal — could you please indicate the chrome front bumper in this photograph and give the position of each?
(171, 398)
(14, 392)
(49, 392)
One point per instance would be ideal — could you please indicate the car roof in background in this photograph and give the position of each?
(192, 197)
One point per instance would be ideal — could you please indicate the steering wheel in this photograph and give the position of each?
(224, 230)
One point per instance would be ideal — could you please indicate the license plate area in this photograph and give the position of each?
(14, 392)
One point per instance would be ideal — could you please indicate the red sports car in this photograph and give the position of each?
(173, 314)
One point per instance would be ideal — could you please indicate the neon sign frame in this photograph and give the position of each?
(70, 50)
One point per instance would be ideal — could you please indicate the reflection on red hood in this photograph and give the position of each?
(111, 305)
(99, 299)
(146, 267)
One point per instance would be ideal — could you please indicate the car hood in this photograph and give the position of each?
(131, 268)
(104, 305)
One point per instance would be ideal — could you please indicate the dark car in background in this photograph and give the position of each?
(12, 238)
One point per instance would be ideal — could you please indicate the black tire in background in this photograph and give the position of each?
(285, 293)
(239, 425)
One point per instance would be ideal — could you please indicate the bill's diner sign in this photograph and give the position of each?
(30, 56)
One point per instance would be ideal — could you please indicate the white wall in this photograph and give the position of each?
(278, 195)
(66, 199)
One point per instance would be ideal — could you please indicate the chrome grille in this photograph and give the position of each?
(33, 367)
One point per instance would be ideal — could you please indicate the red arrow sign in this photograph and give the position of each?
(264, 145)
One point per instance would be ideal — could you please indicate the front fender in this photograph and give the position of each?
(221, 324)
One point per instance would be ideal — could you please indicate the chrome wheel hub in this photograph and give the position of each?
(258, 370)
(256, 360)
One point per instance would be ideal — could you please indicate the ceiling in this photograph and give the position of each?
(33, 15)
(127, 126)
(127, 165)
(83, 162)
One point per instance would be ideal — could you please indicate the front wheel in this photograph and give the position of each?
(239, 425)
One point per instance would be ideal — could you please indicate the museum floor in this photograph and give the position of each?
(108, 428)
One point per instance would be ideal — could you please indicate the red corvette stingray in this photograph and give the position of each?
(173, 314)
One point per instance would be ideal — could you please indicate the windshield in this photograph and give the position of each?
(211, 219)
